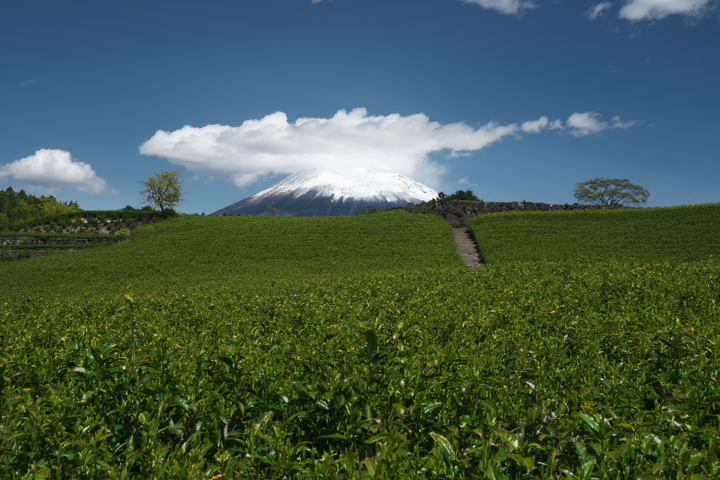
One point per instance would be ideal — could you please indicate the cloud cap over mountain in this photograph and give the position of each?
(273, 145)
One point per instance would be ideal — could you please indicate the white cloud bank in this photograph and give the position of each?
(636, 10)
(402, 144)
(53, 169)
(510, 7)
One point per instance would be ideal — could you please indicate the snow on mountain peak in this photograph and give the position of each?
(356, 183)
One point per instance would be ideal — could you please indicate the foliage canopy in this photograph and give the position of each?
(460, 195)
(359, 347)
(164, 190)
(612, 192)
(20, 210)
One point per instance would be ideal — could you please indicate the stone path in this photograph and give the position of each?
(466, 247)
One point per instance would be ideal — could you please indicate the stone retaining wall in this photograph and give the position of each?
(458, 211)
(50, 241)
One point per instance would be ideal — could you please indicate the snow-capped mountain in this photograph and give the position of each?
(328, 193)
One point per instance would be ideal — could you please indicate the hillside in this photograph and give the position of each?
(245, 250)
(677, 234)
(359, 347)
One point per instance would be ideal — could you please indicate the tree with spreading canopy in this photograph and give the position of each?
(611, 192)
(164, 190)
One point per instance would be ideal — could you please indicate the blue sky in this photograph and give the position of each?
(516, 100)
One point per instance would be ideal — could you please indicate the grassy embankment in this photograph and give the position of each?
(360, 348)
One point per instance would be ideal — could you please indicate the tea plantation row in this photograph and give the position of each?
(678, 234)
(250, 252)
(355, 366)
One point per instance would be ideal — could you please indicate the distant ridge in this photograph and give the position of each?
(324, 193)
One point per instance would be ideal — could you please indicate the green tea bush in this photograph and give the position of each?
(682, 234)
(528, 371)
(216, 251)
(354, 348)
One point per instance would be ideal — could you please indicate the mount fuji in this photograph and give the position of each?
(321, 193)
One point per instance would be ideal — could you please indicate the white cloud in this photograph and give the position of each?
(272, 145)
(636, 10)
(466, 181)
(596, 11)
(55, 169)
(535, 126)
(589, 123)
(27, 83)
(510, 7)
(556, 125)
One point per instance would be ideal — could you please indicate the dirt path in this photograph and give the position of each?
(466, 247)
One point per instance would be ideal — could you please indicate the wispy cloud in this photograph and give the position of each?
(466, 181)
(596, 11)
(27, 83)
(633, 10)
(636, 10)
(52, 169)
(590, 123)
(510, 7)
(273, 145)
(535, 126)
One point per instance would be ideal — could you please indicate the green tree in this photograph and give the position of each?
(164, 190)
(47, 206)
(19, 210)
(463, 195)
(611, 192)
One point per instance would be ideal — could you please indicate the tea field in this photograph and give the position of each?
(252, 252)
(347, 350)
(677, 234)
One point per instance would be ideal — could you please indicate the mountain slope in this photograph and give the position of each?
(328, 193)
